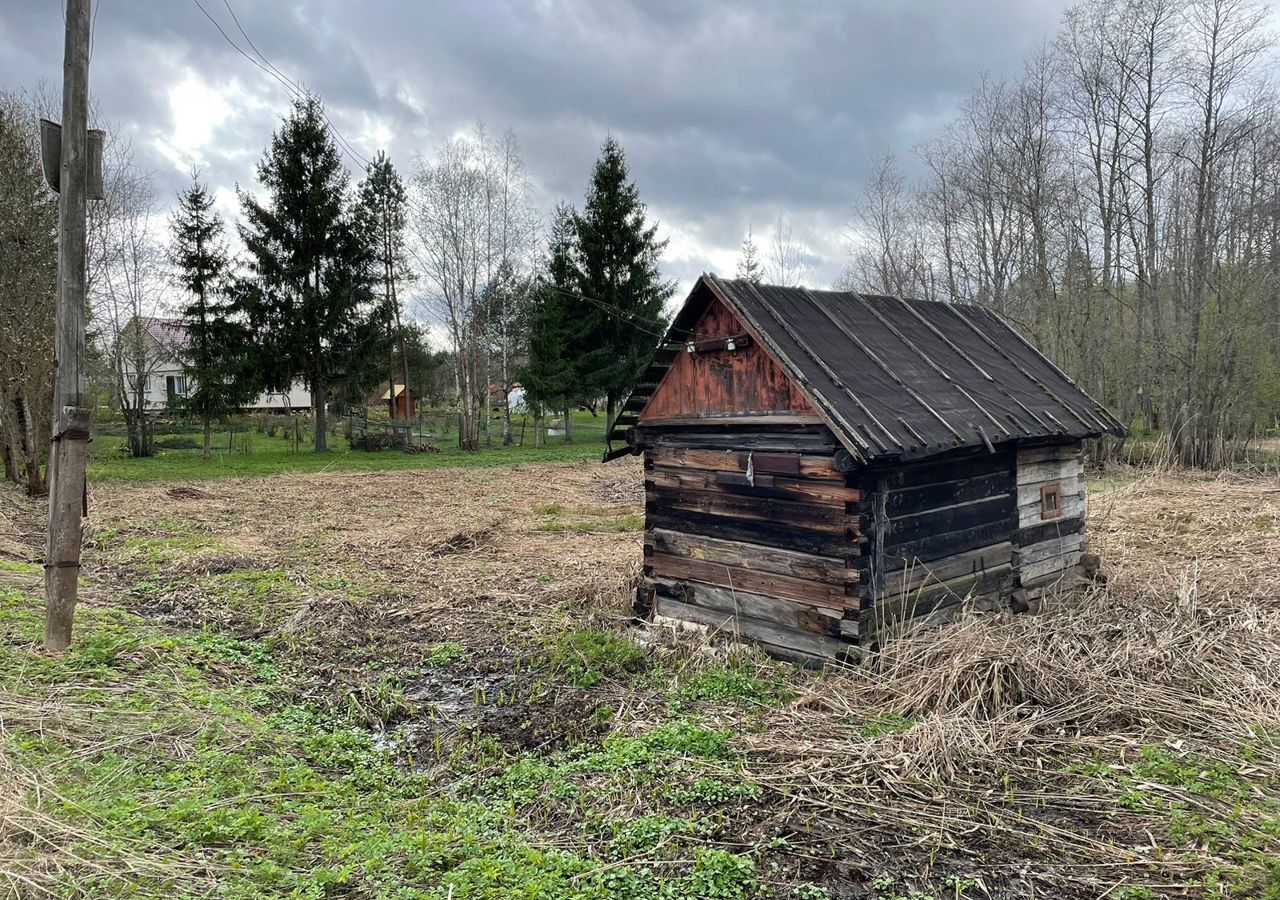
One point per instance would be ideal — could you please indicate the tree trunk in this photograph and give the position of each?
(320, 397)
(10, 470)
(506, 394)
(568, 426)
(7, 441)
(30, 449)
(208, 437)
(468, 427)
(404, 361)
(487, 405)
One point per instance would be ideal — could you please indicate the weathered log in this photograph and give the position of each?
(755, 556)
(778, 486)
(770, 584)
(769, 633)
(808, 465)
(802, 540)
(1044, 531)
(937, 546)
(949, 519)
(915, 574)
(805, 616)
(810, 515)
(907, 501)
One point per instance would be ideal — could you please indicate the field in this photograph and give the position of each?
(426, 684)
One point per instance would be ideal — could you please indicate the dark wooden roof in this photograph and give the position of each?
(895, 378)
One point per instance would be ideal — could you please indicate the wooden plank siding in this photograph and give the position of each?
(754, 530)
(766, 543)
(941, 533)
(1047, 547)
(714, 381)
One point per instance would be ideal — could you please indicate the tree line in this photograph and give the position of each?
(1119, 201)
(331, 284)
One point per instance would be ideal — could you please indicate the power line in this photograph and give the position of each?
(289, 85)
(336, 133)
(638, 323)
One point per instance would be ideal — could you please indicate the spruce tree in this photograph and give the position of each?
(382, 214)
(618, 279)
(216, 382)
(749, 265)
(309, 295)
(557, 324)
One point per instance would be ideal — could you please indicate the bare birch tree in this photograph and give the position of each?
(785, 264)
(451, 231)
(125, 287)
(1117, 202)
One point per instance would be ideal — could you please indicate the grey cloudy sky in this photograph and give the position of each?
(730, 112)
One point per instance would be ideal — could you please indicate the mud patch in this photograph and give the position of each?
(456, 708)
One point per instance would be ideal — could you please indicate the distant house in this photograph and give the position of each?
(406, 402)
(165, 379)
(514, 396)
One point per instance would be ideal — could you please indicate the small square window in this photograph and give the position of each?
(1050, 501)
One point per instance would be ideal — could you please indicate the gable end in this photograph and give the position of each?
(726, 374)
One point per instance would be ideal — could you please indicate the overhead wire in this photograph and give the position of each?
(298, 88)
(639, 324)
(294, 90)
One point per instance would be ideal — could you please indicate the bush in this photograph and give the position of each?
(177, 443)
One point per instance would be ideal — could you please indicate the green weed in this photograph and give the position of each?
(735, 683)
(445, 653)
(888, 723)
(586, 656)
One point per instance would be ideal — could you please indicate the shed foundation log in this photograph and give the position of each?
(812, 647)
(990, 587)
(823, 620)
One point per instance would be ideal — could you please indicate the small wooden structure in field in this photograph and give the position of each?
(820, 465)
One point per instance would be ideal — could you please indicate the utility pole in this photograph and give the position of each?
(67, 492)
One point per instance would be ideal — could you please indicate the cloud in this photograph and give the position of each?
(731, 112)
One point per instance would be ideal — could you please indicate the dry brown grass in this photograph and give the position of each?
(1178, 651)
(460, 549)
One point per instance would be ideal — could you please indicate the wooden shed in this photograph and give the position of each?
(820, 465)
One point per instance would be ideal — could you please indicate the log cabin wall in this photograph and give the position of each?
(1051, 512)
(941, 532)
(752, 530)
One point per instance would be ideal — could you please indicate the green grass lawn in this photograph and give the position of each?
(253, 454)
